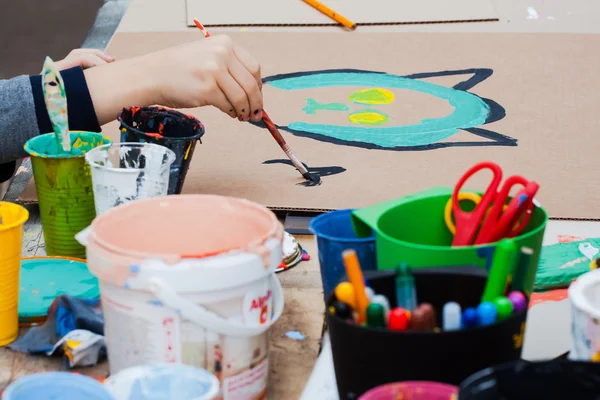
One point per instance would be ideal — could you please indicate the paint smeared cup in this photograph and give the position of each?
(56, 385)
(123, 172)
(12, 218)
(163, 382)
(64, 188)
(172, 129)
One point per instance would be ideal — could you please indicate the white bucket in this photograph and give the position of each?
(190, 279)
(123, 172)
(584, 294)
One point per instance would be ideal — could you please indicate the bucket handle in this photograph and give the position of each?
(208, 319)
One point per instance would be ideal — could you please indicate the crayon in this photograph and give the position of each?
(331, 14)
(356, 278)
(399, 319)
(345, 292)
(486, 313)
(504, 308)
(423, 318)
(518, 300)
(405, 287)
(469, 318)
(375, 316)
(502, 266)
(451, 316)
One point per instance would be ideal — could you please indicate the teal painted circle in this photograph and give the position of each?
(43, 279)
(469, 110)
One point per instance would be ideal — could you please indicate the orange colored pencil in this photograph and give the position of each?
(340, 19)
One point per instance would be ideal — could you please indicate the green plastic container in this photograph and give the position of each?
(64, 188)
(412, 229)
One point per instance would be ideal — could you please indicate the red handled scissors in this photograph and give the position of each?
(502, 220)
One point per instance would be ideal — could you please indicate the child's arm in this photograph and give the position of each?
(206, 72)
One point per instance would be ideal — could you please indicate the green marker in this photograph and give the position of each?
(504, 307)
(375, 316)
(502, 265)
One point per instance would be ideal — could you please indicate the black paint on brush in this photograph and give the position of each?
(315, 172)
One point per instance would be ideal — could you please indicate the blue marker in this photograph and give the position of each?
(469, 318)
(406, 296)
(486, 313)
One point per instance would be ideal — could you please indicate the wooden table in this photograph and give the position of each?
(291, 360)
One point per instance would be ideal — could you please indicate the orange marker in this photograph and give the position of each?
(340, 19)
(356, 279)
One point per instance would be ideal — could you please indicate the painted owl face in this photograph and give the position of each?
(370, 102)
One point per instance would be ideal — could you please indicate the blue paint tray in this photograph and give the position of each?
(45, 278)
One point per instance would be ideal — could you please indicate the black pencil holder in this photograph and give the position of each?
(524, 380)
(366, 357)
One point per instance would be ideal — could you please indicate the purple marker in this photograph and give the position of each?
(518, 300)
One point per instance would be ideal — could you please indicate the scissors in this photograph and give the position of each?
(492, 219)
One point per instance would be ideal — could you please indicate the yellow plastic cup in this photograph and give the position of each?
(11, 236)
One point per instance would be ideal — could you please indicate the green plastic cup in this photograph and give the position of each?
(64, 187)
(412, 229)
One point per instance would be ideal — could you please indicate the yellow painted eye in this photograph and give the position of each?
(372, 96)
(368, 117)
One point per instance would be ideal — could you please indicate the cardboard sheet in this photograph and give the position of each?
(296, 12)
(546, 83)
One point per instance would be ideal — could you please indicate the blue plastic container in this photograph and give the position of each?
(56, 385)
(335, 233)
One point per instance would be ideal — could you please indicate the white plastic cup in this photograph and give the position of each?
(124, 172)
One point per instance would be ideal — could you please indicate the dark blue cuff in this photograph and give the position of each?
(82, 116)
(6, 171)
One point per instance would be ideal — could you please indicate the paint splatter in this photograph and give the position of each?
(368, 117)
(312, 106)
(372, 96)
(295, 335)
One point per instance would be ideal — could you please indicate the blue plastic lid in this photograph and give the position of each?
(45, 278)
(56, 386)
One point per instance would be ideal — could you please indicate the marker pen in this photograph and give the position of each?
(451, 316)
(423, 318)
(345, 292)
(504, 307)
(399, 319)
(469, 318)
(486, 313)
(405, 287)
(375, 316)
(381, 299)
(518, 300)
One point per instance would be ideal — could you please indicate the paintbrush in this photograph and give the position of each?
(56, 103)
(315, 179)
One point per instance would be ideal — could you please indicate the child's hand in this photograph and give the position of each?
(85, 58)
(211, 71)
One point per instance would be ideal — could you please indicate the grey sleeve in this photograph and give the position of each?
(18, 121)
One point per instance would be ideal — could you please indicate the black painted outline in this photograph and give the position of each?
(497, 112)
(320, 171)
